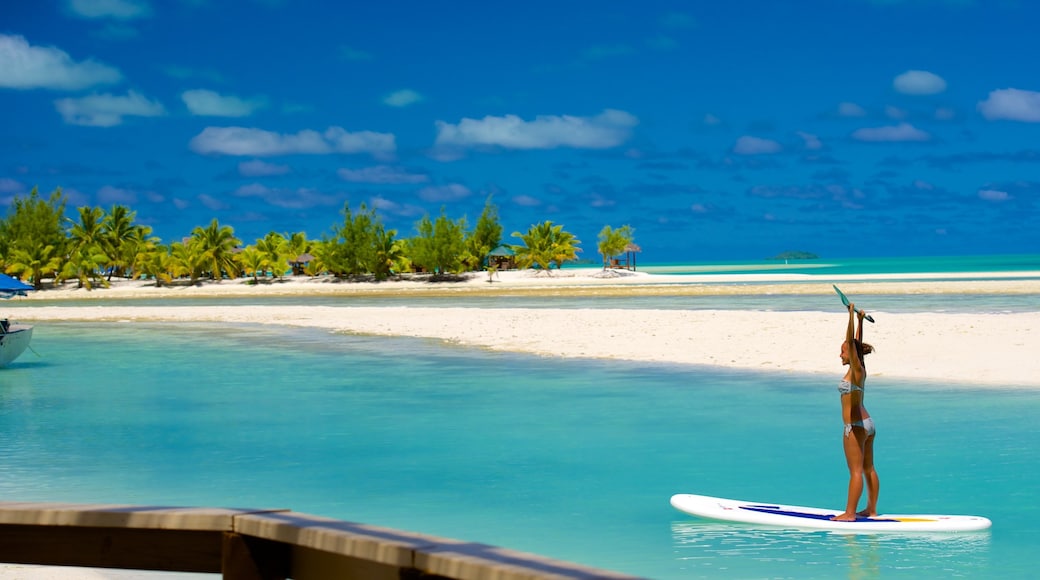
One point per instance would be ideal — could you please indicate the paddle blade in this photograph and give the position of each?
(845, 301)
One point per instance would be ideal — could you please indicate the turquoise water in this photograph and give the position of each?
(567, 458)
(858, 266)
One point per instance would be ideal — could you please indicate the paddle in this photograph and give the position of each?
(845, 301)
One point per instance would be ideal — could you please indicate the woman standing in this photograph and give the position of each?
(858, 438)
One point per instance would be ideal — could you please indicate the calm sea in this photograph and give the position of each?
(571, 459)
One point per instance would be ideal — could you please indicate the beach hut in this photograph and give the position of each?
(300, 262)
(502, 258)
(627, 260)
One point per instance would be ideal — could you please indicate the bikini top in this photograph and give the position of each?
(846, 387)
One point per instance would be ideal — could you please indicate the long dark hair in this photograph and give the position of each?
(862, 350)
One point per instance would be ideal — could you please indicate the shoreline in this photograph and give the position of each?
(989, 349)
(574, 281)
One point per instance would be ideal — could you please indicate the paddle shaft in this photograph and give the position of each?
(845, 301)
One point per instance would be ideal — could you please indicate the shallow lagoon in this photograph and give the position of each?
(568, 458)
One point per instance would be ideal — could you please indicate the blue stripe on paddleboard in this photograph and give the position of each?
(775, 510)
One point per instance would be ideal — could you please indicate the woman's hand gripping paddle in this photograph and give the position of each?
(845, 301)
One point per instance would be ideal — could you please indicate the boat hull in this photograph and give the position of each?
(14, 342)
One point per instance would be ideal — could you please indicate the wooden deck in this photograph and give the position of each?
(245, 544)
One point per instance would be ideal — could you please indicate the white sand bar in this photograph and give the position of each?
(993, 349)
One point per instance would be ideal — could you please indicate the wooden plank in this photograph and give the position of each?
(168, 550)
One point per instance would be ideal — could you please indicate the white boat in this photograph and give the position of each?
(14, 339)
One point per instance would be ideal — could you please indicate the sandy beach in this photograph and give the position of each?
(992, 349)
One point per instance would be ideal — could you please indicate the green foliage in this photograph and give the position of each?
(32, 236)
(186, 260)
(35, 261)
(613, 242)
(153, 260)
(216, 244)
(440, 245)
(37, 242)
(274, 253)
(545, 244)
(486, 236)
(360, 246)
(253, 262)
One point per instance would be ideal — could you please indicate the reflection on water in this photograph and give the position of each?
(778, 552)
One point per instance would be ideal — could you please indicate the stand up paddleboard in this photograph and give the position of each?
(787, 516)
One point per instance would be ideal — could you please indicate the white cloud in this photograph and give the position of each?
(8, 185)
(402, 98)
(710, 119)
(387, 206)
(919, 82)
(812, 142)
(258, 168)
(1011, 105)
(526, 200)
(994, 195)
(900, 132)
(23, 66)
(851, 110)
(116, 195)
(300, 198)
(117, 9)
(444, 193)
(383, 174)
(203, 102)
(106, 110)
(748, 145)
(260, 143)
(211, 203)
(608, 129)
(895, 113)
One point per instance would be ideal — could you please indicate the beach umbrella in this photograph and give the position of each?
(12, 287)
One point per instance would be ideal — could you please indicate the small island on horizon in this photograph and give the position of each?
(795, 255)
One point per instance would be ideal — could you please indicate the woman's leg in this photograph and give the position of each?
(854, 442)
(870, 474)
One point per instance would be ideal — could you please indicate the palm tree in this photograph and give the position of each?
(120, 237)
(274, 249)
(612, 242)
(34, 259)
(544, 244)
(217, 244)
(297, 245)
(153, 260)
(388, 252)
(85, 264)
(87, 257)
(186, 260)
(253, 262)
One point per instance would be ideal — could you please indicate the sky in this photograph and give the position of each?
(721, 130)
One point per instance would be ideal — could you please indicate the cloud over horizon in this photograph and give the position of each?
(260, 143)
(107, 110)
(1011, 105)
(608, 129)
(24, 66)
(207, 103)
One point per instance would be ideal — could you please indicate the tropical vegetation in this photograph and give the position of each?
(38, 242)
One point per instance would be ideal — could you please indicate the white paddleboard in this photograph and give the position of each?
(771, 514)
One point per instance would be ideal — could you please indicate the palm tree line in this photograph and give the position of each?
(38, 242)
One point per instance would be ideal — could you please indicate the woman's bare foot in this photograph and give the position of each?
(845, 517)
(867, 514)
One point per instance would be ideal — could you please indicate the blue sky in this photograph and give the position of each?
(718, 130)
